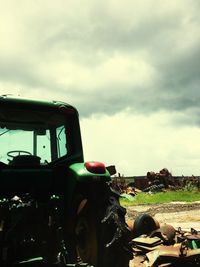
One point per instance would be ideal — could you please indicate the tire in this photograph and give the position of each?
(144, 224)
(102, 236)
(86, 238)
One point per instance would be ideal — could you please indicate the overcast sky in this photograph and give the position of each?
(132, 69)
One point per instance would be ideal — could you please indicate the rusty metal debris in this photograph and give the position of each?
(144, 224)
(166, 232)
(166, 246)
(153, 182)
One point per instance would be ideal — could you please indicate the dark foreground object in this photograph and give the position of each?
(55, 209)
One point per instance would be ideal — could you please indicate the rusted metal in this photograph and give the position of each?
(166, 232)
(145, 243)
(167, 246)
(141, 183)
(144, 224)
(164, 254)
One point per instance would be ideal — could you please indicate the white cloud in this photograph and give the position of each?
(137, 144)
(129, 67)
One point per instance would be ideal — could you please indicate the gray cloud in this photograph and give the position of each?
(94, 55)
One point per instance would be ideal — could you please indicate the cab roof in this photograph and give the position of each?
(18, 102)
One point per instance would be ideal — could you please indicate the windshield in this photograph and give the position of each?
(45, 139)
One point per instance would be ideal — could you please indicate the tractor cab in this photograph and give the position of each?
(36, 133)
(37, 139)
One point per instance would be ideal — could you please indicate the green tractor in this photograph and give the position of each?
(55, 209)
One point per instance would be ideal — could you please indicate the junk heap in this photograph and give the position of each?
(153, 182)
(162, 245)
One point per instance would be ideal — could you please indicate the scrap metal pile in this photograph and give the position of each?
(165, 180)
(163, 245)
(153, 182)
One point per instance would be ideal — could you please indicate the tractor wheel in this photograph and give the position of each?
(102, 236)
(86, 235)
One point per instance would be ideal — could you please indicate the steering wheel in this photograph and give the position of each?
(18, 152)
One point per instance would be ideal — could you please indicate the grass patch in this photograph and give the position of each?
(163, 197)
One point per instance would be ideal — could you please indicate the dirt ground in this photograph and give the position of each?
(177, 214)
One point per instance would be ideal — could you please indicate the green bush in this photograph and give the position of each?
(190, 187)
